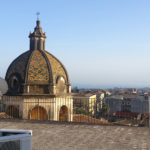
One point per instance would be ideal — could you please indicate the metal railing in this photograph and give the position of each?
(71, 109)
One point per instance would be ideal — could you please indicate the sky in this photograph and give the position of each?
(102, 43)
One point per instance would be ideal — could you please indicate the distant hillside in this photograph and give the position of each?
(3, 86)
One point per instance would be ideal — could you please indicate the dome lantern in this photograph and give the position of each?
(37, 38)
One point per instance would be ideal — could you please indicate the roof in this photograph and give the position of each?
(36, 70)
(52, 135)
(83, 95)
(125, 114)
(37, 66)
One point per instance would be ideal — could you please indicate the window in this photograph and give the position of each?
(60, 85)
(15, 83)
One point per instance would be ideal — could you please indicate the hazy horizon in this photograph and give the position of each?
(86, 86)
(101, 43)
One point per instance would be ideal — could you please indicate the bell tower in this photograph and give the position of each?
(37, 38)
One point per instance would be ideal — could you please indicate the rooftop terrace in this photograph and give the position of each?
(56, 136)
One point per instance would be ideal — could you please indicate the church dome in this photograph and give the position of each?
(37, 71)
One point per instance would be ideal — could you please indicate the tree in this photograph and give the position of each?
(105, 109)
(81, 111)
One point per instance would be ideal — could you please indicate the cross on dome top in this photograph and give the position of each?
(38, 13)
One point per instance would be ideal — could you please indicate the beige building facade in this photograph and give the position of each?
(39, 107)
(85, 102)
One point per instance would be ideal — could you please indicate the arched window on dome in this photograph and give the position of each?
(15, 84)
(60, 85)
